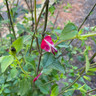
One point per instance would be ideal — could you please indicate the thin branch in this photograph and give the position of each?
(56, 19)
(27, 5)
(77, 77)
(9, 16)
(73, 82)
(46, 2)
(35, 14)
(43, 33)
(85, 20)
(91, 91)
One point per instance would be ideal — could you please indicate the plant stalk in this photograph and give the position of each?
(9, 15)
(77, 37)
(46, 2)
(43, 33)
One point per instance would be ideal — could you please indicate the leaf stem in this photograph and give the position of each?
(77, 37)
(22, 67)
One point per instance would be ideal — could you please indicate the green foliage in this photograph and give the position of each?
(69, 31)
(18, 44)
(55, 90)
(51, 10)
(5, 62)
(50, 62)
(18, 70)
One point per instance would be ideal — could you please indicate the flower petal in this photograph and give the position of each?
(48, 45)
(45, 46)
(49, 39)
(53, 50)
(37, 77)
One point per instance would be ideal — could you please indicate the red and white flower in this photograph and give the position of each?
(48, 45)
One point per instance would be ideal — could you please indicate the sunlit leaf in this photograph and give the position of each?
(18, 44)
(69, 31)
(55, 90)
(6, 61)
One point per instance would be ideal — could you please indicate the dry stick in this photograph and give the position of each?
(77, 77)
(56, 19)
(37, 24)
(91, 91)
(43, 33)
(28, 5)
(84, 20)
(32, 15)
(10, 19)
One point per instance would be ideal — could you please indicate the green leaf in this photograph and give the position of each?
(57, 66)
(10, 35)
(20, 26)
(55, 90)
(48, 59)
(18, 44)
(92, 69)
(14, 73)
(1, 58)
(50, 62)
(6, 61)
(90, 73)
(51, 10)
(87, 63)
(7, 90)
(43, 88)
(87, 78)
(24, 86)
(69, 31)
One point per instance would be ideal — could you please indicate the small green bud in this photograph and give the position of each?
(13, 51)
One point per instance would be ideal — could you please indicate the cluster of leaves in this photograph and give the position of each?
(17, 70)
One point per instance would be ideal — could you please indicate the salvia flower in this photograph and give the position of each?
(36, 78)
(48, 45)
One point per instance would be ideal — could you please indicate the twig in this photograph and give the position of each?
(27, 5)
(84, 20)
(9, 16)
(32, 15)
(91, 91)
(77, 77)
(56, 19)
(73, 82)
(37, 24)
(45, 25)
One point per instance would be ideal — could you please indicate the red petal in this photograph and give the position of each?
(53, 50)
(49, 39)
(37, 77)
(45, 46)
